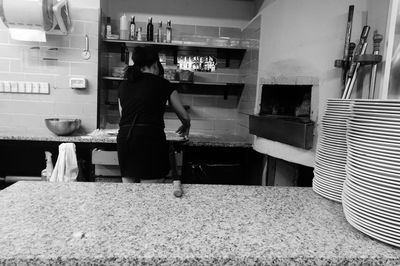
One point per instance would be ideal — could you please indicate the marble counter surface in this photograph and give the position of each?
(114, 224)
(195, 139)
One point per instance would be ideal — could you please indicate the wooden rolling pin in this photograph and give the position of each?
(178, 192)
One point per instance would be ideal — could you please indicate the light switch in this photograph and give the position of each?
(7, 86)
(44, 88)
(35, 87)
(28, 87)
(21, 87)
(14, 86)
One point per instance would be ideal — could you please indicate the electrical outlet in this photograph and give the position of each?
(28, 87)
(35, 87)
(44, 88)
(14, 86)
(7, 86)
(21, 87)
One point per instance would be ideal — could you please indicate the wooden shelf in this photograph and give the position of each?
(176, 44)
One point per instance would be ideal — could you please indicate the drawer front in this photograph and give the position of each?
(104, 157)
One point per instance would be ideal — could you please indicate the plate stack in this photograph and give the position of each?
(330, 159)
(371, 193)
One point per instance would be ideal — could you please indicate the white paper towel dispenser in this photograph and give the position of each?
(29, 20)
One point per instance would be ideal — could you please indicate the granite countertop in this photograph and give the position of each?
(114, 224)
(195, 139)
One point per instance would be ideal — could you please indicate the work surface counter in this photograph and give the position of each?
(195, 139)
(86, 223)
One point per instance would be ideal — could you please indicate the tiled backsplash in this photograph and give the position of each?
(26, 112)
(212, 113)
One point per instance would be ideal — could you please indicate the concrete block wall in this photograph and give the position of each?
(26, 112)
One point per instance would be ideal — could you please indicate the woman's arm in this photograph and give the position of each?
(181, 113)
(119, 107)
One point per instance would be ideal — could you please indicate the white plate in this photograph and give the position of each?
(386, 143)
(380, 231)
(372, 190)
(338, 151)
(371, 165)
(387, 179)
(372, 194)
(371, 111)
(393, 157)
(330, 158)
(338, 137)
(326, 194)
(378, 187)
(385, 225)
(370, 124)
(376, 119)
(330, 173)
(377, 217)
(368, 113)
(331, 188)
(376, 130)
(374, 158)
(372, 202)
(368, 170)
(370, 133)
(382, 146)
(369, 232)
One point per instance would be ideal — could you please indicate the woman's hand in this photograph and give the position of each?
(183, 130)
(181, 113)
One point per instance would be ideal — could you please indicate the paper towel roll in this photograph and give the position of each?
(28, 35)
(28, 20)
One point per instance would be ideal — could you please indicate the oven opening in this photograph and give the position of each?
(286, 101)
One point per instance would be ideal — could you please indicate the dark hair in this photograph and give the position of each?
(142, 56)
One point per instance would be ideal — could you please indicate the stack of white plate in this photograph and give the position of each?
(371, 193)
(330, 159)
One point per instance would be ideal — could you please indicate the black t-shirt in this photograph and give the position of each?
(146, 98)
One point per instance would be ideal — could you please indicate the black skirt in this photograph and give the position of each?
(145, 154)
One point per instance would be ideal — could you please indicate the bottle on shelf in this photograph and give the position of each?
(133, 29)
(139, 34)
(159, 32)
(168, 33)
(123, 28)
(150, 30)
(108, 27)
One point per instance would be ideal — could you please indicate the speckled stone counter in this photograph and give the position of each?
(195, 139)
(76, 139)
(114, 224)
(218, 140)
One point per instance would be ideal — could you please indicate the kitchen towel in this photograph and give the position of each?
(66, 168)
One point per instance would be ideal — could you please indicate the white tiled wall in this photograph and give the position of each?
(26, 112)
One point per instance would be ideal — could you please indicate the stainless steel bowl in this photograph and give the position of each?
(61, 126)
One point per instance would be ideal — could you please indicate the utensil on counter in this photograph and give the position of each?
(377, 40)
(62, 126)
(352, 74)
(347, 52)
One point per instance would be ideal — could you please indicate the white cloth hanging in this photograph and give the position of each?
(66, 168)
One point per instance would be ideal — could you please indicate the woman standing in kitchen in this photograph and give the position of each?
(143, 151)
